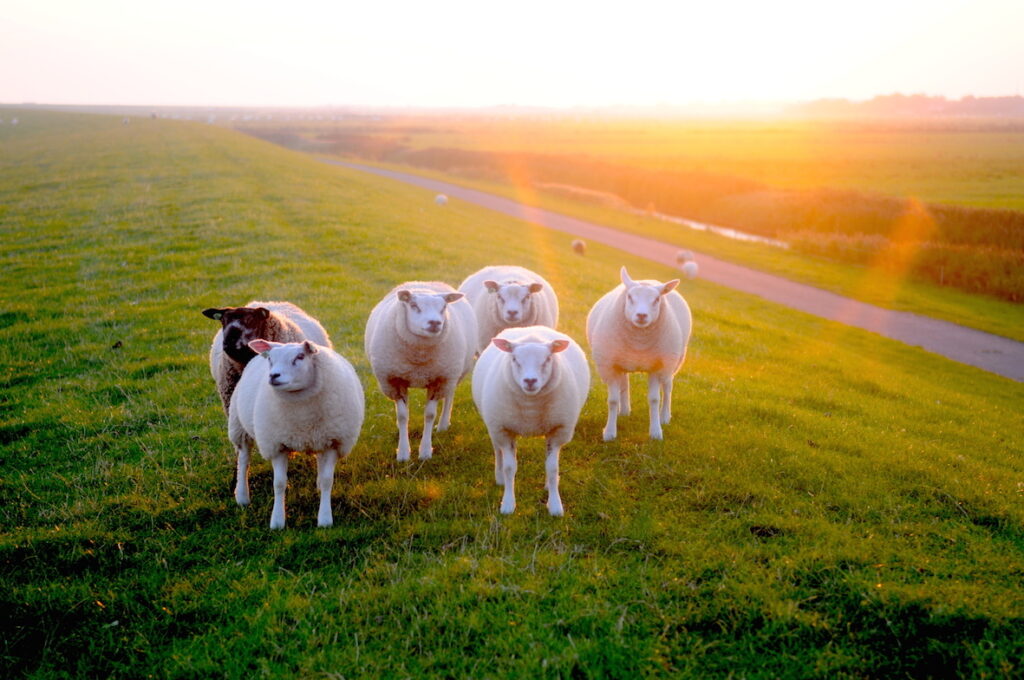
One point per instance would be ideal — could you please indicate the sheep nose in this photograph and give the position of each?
(531, 383)
(641, 318)
(274, 377)
(434, 326)
(512, 313)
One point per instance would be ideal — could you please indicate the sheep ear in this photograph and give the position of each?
(626, 281)
(536, 287)
(491, 286)
(453, 297)
(502, 344)
(559, 346)
(263, 312)
(404, 295)
(214, 313)
(309, 348)
(668, 286)
(261, 346)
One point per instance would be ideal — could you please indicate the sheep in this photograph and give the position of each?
(530, 381)
(684, 256)
(422, 334)
(685, 261)
(505, 296)
(300, 396)
(639, 326)
(579, 246)
(276, 321)
(441, 199)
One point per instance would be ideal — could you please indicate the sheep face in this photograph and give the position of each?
(532, 363)
(426, 313)
(643, 300)
(240, 326)
(515, 300)
(291, 365)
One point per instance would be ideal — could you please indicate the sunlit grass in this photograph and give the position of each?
(822, 498)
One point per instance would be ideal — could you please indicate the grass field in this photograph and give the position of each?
(873, 285)
(826, 503)
(969, 162)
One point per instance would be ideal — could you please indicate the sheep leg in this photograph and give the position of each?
(325, 463)
(243, 449)
(402, 416)
(499, 474)
(446, 412)
(280, 463)
(426, 443)
(615, 390)
(508, 469)
(551, 467)
(654, 401)
(666, 399)
(624, 405)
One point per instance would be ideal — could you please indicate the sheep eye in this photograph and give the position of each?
(415, 307)
(300, 357)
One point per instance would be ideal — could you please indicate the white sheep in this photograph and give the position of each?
(300, 397)
(441, 199)
(530, 381)
(422, 334)
(687, 264)
(579, 246)
(508, 296)
(639, 326)
(274, 321)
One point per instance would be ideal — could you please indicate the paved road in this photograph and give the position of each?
(989, 352)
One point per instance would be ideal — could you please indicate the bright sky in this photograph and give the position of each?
(479, 53)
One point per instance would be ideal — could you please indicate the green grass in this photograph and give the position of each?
(872, 285)
(827, 503)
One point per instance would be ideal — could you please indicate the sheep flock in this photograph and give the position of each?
(285, 389)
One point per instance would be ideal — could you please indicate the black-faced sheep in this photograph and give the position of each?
(274, 321)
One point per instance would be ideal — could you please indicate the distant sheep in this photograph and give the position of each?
(687, 264)
(507, 296)
(579, 246)
(684, 256)
(300, 397)
(639, 326)
(530, 381)
(126, 121)
(422, 334)
(274, 321)
(441, 199)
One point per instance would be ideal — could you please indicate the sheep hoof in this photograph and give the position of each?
(508, 509)
(402, 456)
(442, 427)
(656, 435)
(556, 510)
(608, 436)
(276, 524)
(326, 524)
(242, 500)
(426, 454)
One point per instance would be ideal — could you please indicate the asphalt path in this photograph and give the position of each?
(992, 353)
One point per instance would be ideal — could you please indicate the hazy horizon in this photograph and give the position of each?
(456, 54)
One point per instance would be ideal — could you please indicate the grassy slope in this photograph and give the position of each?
(875, 286)
(826, 502)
